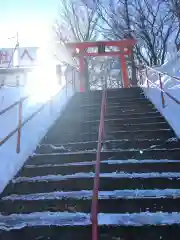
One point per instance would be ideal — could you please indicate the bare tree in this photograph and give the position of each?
(77, 22)
(145, 20)
(174, 10)
(154, 27)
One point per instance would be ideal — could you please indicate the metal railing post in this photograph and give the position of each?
(66, 87)
(141, 78)
(147, 78)
(21, 123)
(94, 207)
(51, 105)
(18, 148)
(162, 93)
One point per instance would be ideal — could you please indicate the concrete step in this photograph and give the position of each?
(130, 111)
(143, 102)
(110, 126)
(118, 110)
(109, 144)
(126, 106)
(130, 120)
(150, 232)
(88, 117)
(125, 194)
(112, 100)
(77, 184)
(62, 123)
(125, 131)
(113, 109)
(84, 156)
(112, 92)
(160, 125)
(112, 135)
(95, 115)
(162, 134)
(114, 114)
(141, 134)
(106, 167)
(126, 94)
(84, 205)
(75, 128)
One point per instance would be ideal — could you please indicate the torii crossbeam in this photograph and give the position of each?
(80, 50)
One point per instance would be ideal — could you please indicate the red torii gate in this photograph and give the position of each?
(80, 50)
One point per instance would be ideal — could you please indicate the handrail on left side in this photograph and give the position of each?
(21, 100)
(94, 206)
(20, 122)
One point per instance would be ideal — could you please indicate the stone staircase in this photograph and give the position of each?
(139, 197)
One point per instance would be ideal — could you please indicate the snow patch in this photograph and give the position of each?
(86, 194)
(92, 175)
(141, 150)
(130, 161)
(18, 221)
(174, 139)
(93, 151)
(109, 141)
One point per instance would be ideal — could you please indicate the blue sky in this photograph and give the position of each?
(32, 19)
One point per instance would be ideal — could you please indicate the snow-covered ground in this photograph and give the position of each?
(171, 85)
(172, 66)
(34, 130)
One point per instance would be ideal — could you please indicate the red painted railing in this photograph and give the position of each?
(18, 129)
(14, 104)
(94, 207)
(21, 123)
(143, 74)
(20, 102)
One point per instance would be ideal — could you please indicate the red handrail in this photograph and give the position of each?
(160, 87)
(21, 100)
(163, 73)
(94, 206)
(20, 123)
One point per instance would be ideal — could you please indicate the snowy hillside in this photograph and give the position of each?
(170, 85)
(172, 67)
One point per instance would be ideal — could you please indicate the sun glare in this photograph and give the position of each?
(42, 82)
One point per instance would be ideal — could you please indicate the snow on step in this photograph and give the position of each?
(130, 161)
(59, 177)
(86, 194)
(18, 221)
(92, 151)
(115, 140)
(173, 139)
